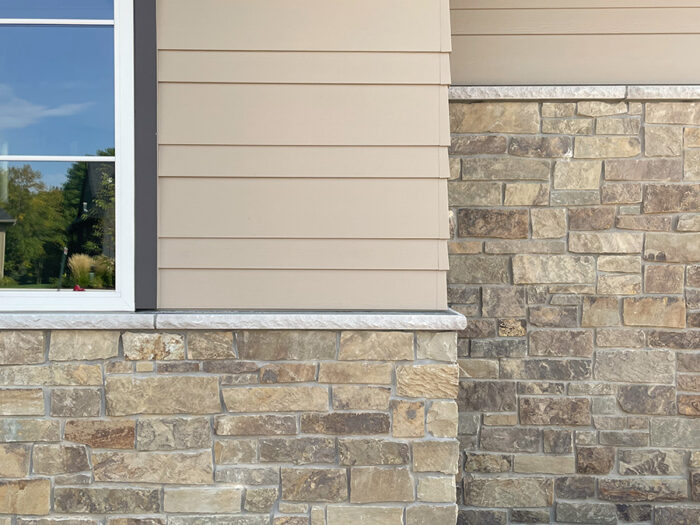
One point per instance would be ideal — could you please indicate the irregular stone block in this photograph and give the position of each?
(533, 269)
(25, 496)
(509, 492)
(112, 433)
(474, 193)
(499, 348)
(442, 419)
(644, 169)
(635, 366)
(503, 302)
(689, 405)
(429, 515)
(624, 438)
(486, 396)
(648, 489)
(548, 223)
(529, 515)
(431, 381)
(287, 373)
(619, 284)
(408, 418)
(558, 109)
(543, 464)
(436, 346)
(515, 439)
(643, 399)
(354, 452)
(344, 514)
(173, 433)
(557, 441)
(339, 423)
(577, 175)
(185, 468)
(666, 312)
(672, 247)
(505, 168)
(586, 512)
(361, 397)
(21, 402)
(79, 402)
(575, 487)
(595, 460)
(568, 126)
(52, 375)
(59, 459)
(381, 346)
(379, 485)
(297, 451)
(624, 193)
(479, 269)
(260, 499)
(83, 345)
(526, 194)
(12, 430)
(503, 224)
(487, 463)
(663, 141)
(103, 500)
(512, 328)
(617, 243)
(248, 475)
(670, 198)
(276, 398)
(162, 395)
(593, 218)
(360, 372)
(691, 165)
(546, 369)
(215, 500)
(651, 462)
(618, 126)
(436, 456)
(675, 515)
(553, 317)
(597, 108)
(477, 145)
(561, 343)
(259, 425)
(150, 346)
(605, 147)
(14, 460)
(496, 117)
(673, 113)
(688, 223)
(436, 489)
(210, 345)
(555, 411)
(538, 146)
(487, 517)
(286, 345)
(20, 347)
(685, 340)
(574, 197)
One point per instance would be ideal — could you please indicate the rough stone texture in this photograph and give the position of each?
(583, 337)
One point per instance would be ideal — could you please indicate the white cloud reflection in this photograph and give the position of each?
(17, 113)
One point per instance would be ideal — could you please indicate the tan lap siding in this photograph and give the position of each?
(574, 42)
(303, 154)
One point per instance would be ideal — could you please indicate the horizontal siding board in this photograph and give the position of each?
(250, 114)
(300, 162)
(301, 67)
(301, 208)
(305, 254)
(302, 25)
(300, 289)
(573, 59)
(583, 21)
(568, 4)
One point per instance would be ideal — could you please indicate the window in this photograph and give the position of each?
(66, 155)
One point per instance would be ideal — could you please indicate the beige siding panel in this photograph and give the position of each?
(300, 289)
(301, 208)
(573, 59)
(302, 25)
(302, 68)
(570, 4)
(307, 161)
(249, 114)
(305, 254)
(584, 21)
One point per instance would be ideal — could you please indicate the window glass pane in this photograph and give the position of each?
(46, 206)
(56, 90)
(98, 9)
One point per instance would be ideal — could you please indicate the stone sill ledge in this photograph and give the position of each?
(635, 92)
(447, 320)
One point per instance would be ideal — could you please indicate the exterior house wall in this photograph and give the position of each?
(575, 255)
(303, 154)
(526, 42)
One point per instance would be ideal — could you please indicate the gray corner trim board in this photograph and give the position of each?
(146, 155)
(447, 320)
(636, 92)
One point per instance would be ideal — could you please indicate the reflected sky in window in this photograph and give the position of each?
(99, 9)
(56, 90)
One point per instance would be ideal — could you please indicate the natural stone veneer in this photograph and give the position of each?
(223, 427)
(575, 255)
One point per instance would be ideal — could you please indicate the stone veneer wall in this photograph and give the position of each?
(224, 428)
(576, 258)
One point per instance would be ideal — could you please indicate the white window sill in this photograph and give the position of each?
(447, 320)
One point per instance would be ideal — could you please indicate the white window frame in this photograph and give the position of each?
(122, 297)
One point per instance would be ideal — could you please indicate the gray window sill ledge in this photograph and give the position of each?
(447, 320)
(631, 92)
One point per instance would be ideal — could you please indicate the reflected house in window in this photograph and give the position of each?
(95, 216)
(5, 222)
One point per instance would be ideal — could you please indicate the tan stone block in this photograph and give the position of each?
(102, 500)
(14, 460)
(619, 284)
(380, 346)
(505, 168)
(287, 373)
(258, 425)
(568, 126)
(408, 418)
(345, 423)
(544, 464)
(558, 109)
(635, 366)
(464, 247)
(478, 368)
(620, 337)
(509, 492)
(673, 113)
(173, 433)
(474, 193)
(350, 514)
(672, 247)
(691, 165)
(21, 402)
(50, 459)
(21, 347)
(526, 194)
(502, 224)
(150, 345)
(663, 279)
(358, 372)
(596, 108)
(617, 243)
(86, 345)
(439, 489)
(688, 223)
(118, 367)
(618, 125)
(25, 496)
(668, 312)
(24, 429)
(429, 515)
(380, 485)
(500, 420)
(206, 500)
(210, 345)
(497, 117)
(431, 381)
(692, 138)
(526, 246)
(436, 346)
(548, 223)
(643, 222)
(361, 397)
(184, 468)
(624, 193)
(620, 263)
(235, 451)
(286, 345)
(276, 399)
(51, 375)
(436, 456)
(544, 269)
(603, 147)
(162, 395)
(359, 452)
(314, 484)
(600, 311)
(540, 146)
(455, 168)
(577, 175)
(442, 419)
(663, 141)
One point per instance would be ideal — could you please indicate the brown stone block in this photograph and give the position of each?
(552, 269)
(22, 402)
(185, 468)
(503, 224)
(547, 147)
(78, 402)
(685, 340)
(666, 312)
(644, 399)
(477, 145)
(59, 459)
(605, 147)
(363, 397)
(479, 269)
(357, 452)
(286, 345)
(509, 492)
(689, 405)
(635, 366)
(673, 113)
(649, 489)
(514, 439)
(555, 411)
(670, 198)
(546, 369)
(561, 343)
(298, 451)
(379, 485)
(644, 170)
(14, 460)
(339, 423)
(102, 500)
(624, 193)
(210, 345)
(594, 218)
(651, 462)
(505, 168)
(553, 317)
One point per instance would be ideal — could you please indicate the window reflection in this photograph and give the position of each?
(47, 207)
(78, 9)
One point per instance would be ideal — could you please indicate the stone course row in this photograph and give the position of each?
(214, 428)
(575, 255)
